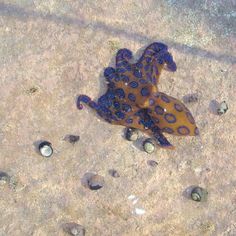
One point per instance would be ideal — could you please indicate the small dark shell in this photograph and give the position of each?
(114, 173)
(198, 194)
(92, 181)
(131, 134)
(96, 182)
(4, 178)
(72, 138)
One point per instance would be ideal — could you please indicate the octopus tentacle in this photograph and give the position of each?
(122, 60)
(109, 73)
(162, 140)
(151, 51)
(102, 111)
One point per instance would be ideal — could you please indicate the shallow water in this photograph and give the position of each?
(51, 51)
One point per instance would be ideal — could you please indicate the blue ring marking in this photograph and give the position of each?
(145, 92)
(120, 93)
(126, 107)
(117, 77)
(110, 94)
(120, 115)
(108, 71)
(151, 102)
(105, 101)
(170, 118)
(165, 98)
(178, 107)
(124, 54)
(129, 121)
(124, 78)
(139, 65)
(149, 52)
(168, 130)
(183, 130)
(143, 81)
(137, 73)
(159, 110)
(116, 105)
(190, 117)
(131, 97)
(121, 70)
(133, 84)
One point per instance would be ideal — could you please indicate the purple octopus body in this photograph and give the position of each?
(132, 98)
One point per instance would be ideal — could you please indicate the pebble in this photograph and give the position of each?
(114, 173)
(223, 108)
(96, 182)
(74, 229)
(139, 211)
(92, 181)
(152, 163)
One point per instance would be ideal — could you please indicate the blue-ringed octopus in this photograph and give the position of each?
(132, 98)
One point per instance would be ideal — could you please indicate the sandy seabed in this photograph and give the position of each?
(51, 51)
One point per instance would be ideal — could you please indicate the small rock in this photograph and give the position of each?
(92, 181)
(96, 182)
(223, 108)
(149, 146)
(114, 173)
(72, 138)
(152, 163)
(74, 229)
(131, 134)
(32, 90)
(139, 211)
